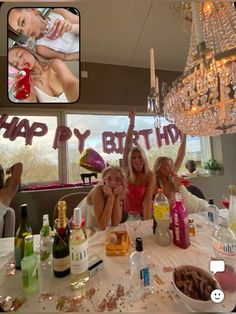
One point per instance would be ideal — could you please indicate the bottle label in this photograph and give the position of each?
(79, 258)
(45, 248)
(161, 211)
(145, 277)
(211, 216)
(226, 249)
(61, 264)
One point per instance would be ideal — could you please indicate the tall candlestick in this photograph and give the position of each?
(152, 68)
(197, 23)
(157, 86)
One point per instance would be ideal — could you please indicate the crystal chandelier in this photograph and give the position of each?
(203, 100)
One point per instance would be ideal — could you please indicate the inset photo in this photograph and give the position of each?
(43, 55)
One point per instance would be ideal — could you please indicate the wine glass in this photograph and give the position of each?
(225, 201)
(134, 221)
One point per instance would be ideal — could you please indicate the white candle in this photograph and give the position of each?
(197, 23)
(152, 68)
(157, 86)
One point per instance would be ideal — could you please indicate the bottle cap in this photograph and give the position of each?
(211, 201)
(77, 216)
(139, 244)
(23, 208)
(190, 220)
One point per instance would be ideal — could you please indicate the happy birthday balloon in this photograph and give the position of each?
(91, 160)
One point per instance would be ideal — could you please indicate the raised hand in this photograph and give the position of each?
(132, 117)
(118, 190)
(62, 26)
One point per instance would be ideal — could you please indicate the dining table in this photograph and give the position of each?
(109, 289)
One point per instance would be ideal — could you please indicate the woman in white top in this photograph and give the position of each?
(65, 42)
(51, 80)
(104, 204)
(8, 189)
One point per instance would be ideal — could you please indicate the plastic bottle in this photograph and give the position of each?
(78, 253)
(45, 243)
(61, 254)
(23, 230)
(224, 246)
(161, 213)
(212, 213)
(141, 279)
(232, 208)
(29, 267)
(180, 225)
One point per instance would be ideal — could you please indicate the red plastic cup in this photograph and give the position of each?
(22, 84)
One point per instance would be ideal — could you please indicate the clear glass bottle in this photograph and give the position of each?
(224, 246)
(180, 225)
(78, 253)
(23, 230)
(61, 253)
(232, 208)
(212, 213)
(161, 214)
(141, 277)
(29, 267)
(45, 243)
(191, 227)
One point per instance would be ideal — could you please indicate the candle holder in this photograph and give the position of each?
(153, 106)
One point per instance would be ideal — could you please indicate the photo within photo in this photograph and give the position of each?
(43, 55)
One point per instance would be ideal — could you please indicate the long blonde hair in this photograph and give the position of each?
(36, 72)
(156, 168)
(130, 170)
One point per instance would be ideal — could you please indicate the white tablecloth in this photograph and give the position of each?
(55, 294)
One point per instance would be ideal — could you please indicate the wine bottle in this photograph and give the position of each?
(78, 253)
(29, 267)
(61, 254)
(45, 243)
(23, 230)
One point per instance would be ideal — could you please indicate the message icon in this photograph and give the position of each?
(217, 266)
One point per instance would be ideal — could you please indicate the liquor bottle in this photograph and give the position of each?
(180, 225)
(61, 254)
(141, 278)
(191, 227)
(23, 230)
(29, 267)
(232, 208)
(224, 246)
(161, 214)
(78, 253)
(212, 213)
(45, 243)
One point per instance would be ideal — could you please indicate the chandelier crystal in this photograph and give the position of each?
(203, 100)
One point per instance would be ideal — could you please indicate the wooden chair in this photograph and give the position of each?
(72, 200)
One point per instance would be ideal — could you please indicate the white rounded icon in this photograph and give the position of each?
(217, 296)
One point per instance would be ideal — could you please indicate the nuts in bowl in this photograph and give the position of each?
(194, 286)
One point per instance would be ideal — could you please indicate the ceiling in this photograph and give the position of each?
(121, 32)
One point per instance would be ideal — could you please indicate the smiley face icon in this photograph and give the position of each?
(217, 296)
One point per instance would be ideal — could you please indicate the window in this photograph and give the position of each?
(43, 164)
(40, 160)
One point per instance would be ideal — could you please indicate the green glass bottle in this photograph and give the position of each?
(45, 243)
(61, 253)
(29, 267)
(23, 230)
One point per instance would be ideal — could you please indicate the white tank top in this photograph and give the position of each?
(68, 43)
(43, 97)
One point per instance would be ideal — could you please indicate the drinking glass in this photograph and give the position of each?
(22, 84)
(134, 221)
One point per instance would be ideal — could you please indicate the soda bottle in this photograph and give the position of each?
(224, 246)
(180, 224)
(212, 212)
(141, 279)
(161, 214)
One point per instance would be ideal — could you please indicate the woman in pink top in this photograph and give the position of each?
(140, 179)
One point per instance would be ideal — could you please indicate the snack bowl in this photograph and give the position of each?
(194, 285)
